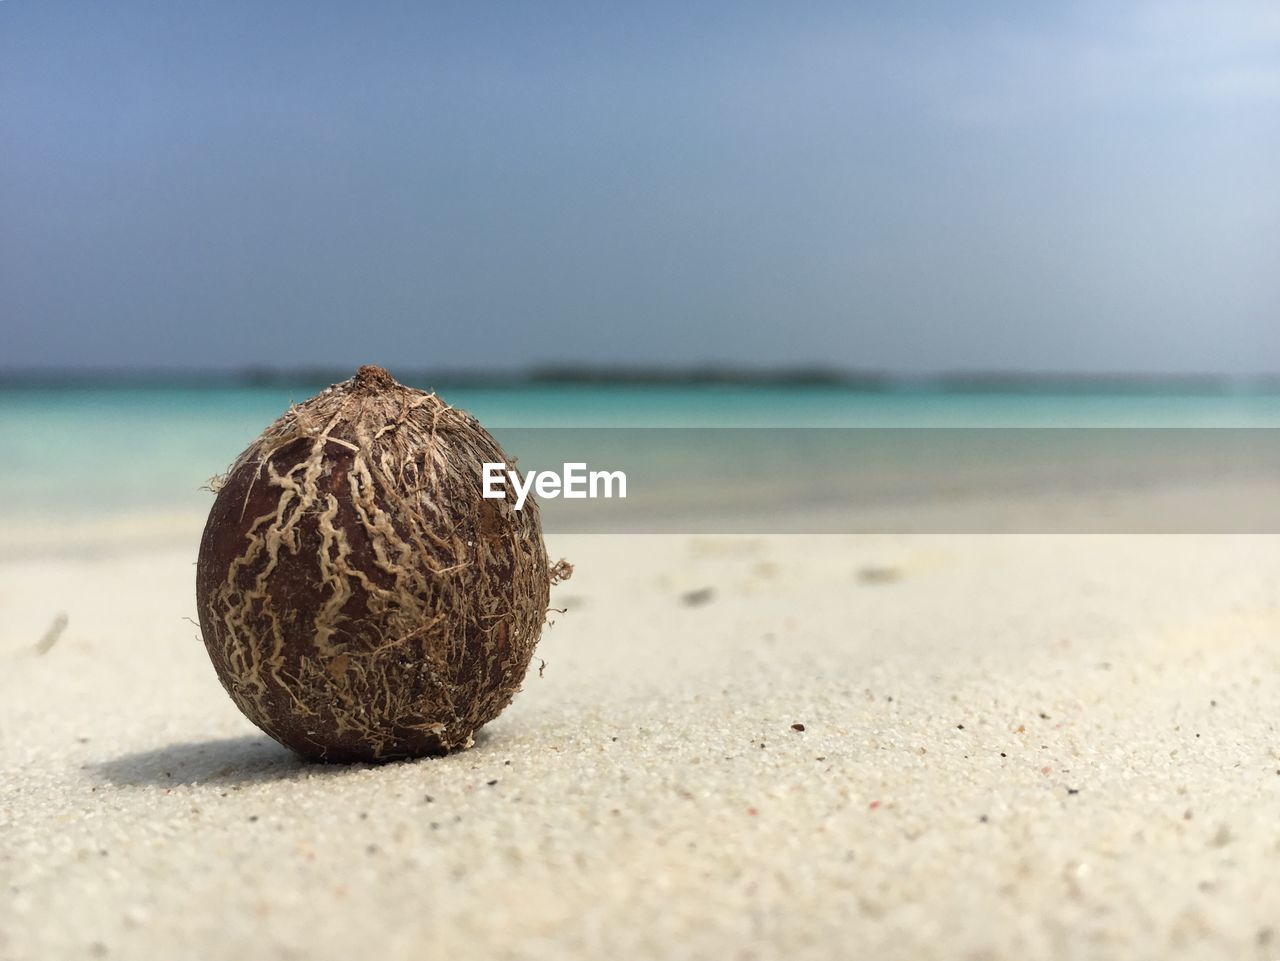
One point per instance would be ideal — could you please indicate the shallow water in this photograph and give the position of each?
(88, 451)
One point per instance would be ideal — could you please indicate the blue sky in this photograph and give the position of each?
(905, 187)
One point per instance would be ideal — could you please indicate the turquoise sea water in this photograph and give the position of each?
(85, 451)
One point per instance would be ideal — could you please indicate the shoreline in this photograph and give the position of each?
(1222, 505)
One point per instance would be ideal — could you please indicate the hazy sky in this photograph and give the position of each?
(912, 187)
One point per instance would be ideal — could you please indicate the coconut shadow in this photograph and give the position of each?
(233, 761)
(250, 759)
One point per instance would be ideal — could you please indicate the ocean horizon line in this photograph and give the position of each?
(630, 376)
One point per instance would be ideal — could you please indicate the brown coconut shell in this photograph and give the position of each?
(359, 598)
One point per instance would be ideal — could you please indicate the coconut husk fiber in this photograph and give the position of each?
(359, 598)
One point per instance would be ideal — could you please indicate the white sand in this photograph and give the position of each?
(1114, 790)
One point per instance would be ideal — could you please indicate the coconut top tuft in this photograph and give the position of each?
(371, 379)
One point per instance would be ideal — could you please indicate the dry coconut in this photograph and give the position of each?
(359, 597)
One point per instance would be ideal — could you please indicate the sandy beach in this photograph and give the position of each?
(876, 746)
